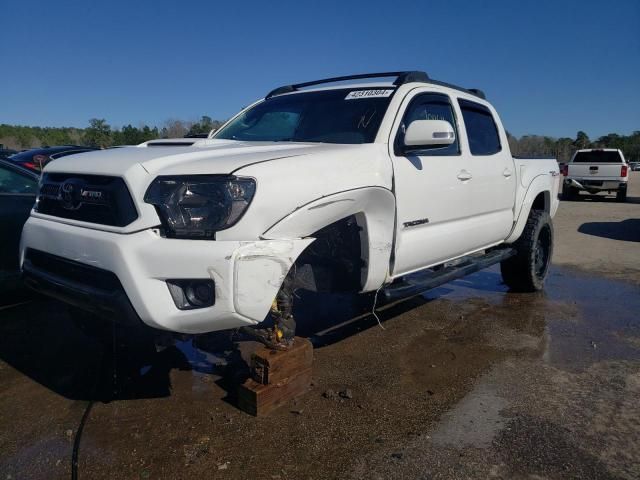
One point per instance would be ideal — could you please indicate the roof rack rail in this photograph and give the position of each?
(477, 92)
(401, 79)
(473, 91)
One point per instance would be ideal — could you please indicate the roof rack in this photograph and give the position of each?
(401, 79)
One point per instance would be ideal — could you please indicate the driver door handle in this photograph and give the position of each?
(507, 173)
(464, 175)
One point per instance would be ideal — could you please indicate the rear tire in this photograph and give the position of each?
(621, 195)
(527, 270)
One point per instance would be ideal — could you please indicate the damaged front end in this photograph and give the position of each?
(198, 206)
(245, 276)
(265, 274)
(332, 263)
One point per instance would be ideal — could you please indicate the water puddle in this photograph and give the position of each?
(585, 319)
(202, 361)
(474, 421)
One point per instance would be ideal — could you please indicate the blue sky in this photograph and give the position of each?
(549, 67)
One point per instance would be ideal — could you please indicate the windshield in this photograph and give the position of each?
(329, 116)
(598, 156)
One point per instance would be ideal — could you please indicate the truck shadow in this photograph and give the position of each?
(334, 328)
(328, 319)
(485, 280)
(40, 341)
(626, 230)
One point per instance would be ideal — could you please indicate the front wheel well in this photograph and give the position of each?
(334, 262)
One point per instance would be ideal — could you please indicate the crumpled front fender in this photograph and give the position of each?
(259, 270)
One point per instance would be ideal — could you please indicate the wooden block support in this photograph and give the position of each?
(276, 377)
(273, 366)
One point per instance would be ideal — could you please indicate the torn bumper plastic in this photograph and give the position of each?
(247, 275)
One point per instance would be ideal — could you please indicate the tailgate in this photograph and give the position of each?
(601, 171)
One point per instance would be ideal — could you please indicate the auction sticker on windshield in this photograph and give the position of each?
(368, 94)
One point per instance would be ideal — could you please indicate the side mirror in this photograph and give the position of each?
(428, 133)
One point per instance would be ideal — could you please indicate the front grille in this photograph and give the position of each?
(89, 198)
(73, 271)
(50, 189)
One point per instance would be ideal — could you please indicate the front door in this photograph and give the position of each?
(432, 188)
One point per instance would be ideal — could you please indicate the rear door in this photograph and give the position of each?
(493, 178)
(431, 188)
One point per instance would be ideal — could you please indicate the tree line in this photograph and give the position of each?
(563, 148)
(100, 134)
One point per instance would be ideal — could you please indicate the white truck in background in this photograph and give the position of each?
(387, 187)
(598, 170)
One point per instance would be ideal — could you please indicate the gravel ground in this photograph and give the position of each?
(468, 381)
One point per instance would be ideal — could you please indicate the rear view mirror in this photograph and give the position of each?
(428, 133)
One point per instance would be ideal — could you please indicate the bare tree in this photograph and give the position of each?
(175, 128)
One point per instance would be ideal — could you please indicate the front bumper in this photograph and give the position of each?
(97, 291)
(247, 275)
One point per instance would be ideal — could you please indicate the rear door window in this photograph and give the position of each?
(481, 128)
(597, 156)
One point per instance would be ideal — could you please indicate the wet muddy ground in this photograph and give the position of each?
(467, 381)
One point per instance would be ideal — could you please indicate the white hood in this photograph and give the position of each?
(140, 165)
(203, 156)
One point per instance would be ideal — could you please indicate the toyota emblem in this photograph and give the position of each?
(70, 195)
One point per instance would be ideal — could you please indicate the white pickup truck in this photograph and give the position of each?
(387, 187)
(596, 171)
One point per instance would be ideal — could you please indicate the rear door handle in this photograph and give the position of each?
(464, 175)
(507, 173)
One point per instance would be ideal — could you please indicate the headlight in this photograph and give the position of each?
(197, 206)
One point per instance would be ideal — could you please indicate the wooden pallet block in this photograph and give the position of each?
(259, 400)
(276, 377)
(273, 366)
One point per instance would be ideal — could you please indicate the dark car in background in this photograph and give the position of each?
(6, 153)
(18, 188)
(36, 158)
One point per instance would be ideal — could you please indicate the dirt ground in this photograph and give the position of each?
(467, 381)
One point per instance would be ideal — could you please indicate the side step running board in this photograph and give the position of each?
(419, 282)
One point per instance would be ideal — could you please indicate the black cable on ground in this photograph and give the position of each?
(76, 442)
(87, 411)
